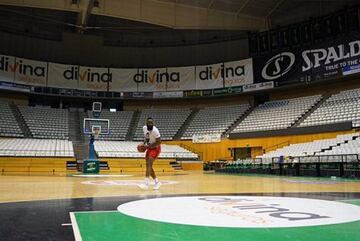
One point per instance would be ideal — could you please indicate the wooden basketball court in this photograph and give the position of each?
(85, 208)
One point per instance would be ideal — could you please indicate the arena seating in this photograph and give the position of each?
(214, 120)
(279, 114)
(168, 121)
(8, 124)
(128, 150)
(352, 146)
(317, 147)
(36, 148)
(341, 107)
(46, 122)
(119, 124)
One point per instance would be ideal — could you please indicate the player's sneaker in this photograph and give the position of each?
(157, 186)
(143, 186)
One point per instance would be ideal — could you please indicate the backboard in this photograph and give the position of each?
(99, 125)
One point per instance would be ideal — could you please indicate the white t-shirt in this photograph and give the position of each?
(150, 136)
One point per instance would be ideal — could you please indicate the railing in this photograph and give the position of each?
(345, 158)
(200, 154)
(276, 146)
(135, 154)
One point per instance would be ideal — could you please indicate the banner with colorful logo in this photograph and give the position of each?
(30, 72)
(209, 76)
(123, 80)
(91, 78)
(7, 68)
(188, 78)
(238, 73)
(63, 76)
(181, 78)
(151, 79)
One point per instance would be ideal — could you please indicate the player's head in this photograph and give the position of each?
(149, 123)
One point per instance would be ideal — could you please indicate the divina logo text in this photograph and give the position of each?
(223, 72)
(89, 76)
(156, 77)
(21, 68)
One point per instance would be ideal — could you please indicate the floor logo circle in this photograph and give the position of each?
(100, 176)
(242, 211)
(124, 182)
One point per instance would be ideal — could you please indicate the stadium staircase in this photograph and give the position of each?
(186, 124)
(311, 110)
(133, 125)
(238, 121)
(76, 136)
(20, 119)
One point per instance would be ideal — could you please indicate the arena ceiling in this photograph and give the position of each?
(150, 23)
(243, 15)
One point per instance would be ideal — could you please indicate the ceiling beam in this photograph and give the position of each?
(242, 7)
(175, 14)
(211, 4)
(277, 5)
(84, 15)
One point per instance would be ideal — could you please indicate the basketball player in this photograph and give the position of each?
(152, 143)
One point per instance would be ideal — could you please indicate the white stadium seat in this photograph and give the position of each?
(36, 147)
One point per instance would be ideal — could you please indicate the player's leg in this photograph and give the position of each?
(154, 155)
(149, 166)
(145, 185)
(149, 163)
(153, 175)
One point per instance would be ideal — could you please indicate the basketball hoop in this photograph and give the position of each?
(96, 130)
(96, 133)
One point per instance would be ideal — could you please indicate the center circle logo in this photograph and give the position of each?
(280, 64)
(242, 211)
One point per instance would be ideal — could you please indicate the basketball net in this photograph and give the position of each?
(96, 133)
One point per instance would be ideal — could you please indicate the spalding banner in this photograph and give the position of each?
(334, 59)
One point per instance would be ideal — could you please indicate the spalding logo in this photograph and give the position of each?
(276, 65)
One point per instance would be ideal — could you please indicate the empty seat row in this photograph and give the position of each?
(36, 147)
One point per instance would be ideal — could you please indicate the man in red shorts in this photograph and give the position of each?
(152, 143)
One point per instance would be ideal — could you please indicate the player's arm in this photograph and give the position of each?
(155, 144)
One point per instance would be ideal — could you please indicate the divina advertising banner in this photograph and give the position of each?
(30, 72)
(7, 68)
(91, 78)
(187, 78)
(63, 75)
(326, 60)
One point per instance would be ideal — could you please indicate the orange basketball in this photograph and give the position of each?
(141, 148)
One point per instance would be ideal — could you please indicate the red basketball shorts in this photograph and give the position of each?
(154, 152)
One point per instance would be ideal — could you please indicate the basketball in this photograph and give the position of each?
(141, 148)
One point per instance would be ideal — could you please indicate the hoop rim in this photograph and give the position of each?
(96, 130)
